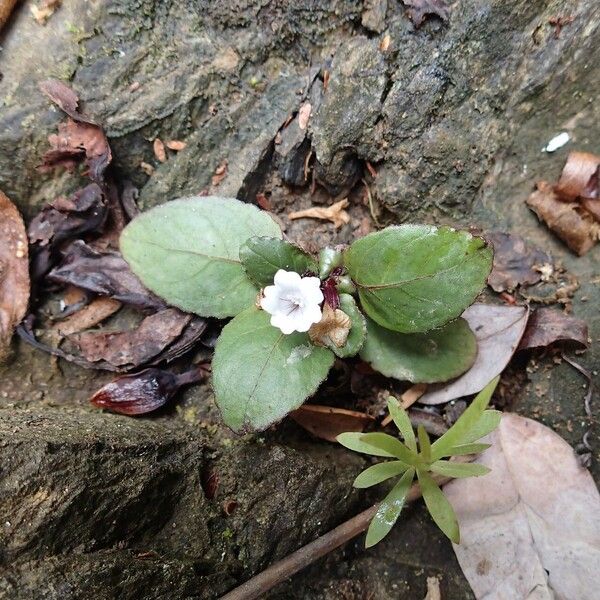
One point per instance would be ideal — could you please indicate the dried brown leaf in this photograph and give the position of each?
(65, 98)
(147, 168)
(334, 213)
(498, 330)
(547, 326)
(327, 422)
(137, 346)
(418, 9)
(514, 262)
(175, 145)
(14, 271)
(577, 229)
(333, 328)
(579, 177)
(531, 527)
(159, 150)
(94, 313)
(220, 173)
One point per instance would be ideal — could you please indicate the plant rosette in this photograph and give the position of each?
(393, 297)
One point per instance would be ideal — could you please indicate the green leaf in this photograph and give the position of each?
(352, 441)
(468, 424)
(187, 252)
(437, 355)
(329, 259)
(402, 421)
(413, 278)
(424, 443)
(467, 449)
(262, 257)
(389, 510)
(454, 469)
(260, 374)
(392, 445)
(358, 331)
(380, 472)
(438, 506)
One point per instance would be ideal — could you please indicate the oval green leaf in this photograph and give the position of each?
(437, 355)
(413, 278)
(187, 252)
(260, 374)
(379, 473)
(262, 257)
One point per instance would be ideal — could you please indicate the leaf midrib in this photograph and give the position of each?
(194, 252)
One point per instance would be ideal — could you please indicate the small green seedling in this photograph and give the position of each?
(422, 458)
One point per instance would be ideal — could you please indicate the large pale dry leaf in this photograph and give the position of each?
(531, 527)
(548, 325)
(334, 213)
(14, 271)
(498, 330)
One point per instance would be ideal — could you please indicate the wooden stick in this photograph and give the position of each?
(281, 570)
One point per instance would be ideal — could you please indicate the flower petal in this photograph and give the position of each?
(284, 323)
(271, 301)
(287, 279)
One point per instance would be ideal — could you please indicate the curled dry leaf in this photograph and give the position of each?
(579, 177)
(94, 313)
(514, 262)
(573, 225)
(103, 272)
(418, 9)
(327, 422)
(334, 213)
(131, 348)
(547, 326)
(531, 527)
(14, 271)
(65, 98)
(498, 330)
(159, 150)
(143, 392)
(333, 328)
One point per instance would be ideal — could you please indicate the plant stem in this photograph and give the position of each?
(281, 570)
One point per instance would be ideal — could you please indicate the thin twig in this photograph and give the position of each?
(302, 558)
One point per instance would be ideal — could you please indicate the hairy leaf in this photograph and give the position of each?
(402, 421)
(260, 374)
(187, 252)
(262, 257)
(353, 441)
(389, 510)
(392, 445)
(379, 473)
(437, 355)
(454, 469)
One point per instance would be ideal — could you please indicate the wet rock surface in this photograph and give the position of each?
(452, 116)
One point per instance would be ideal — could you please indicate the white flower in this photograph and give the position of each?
(293, 301)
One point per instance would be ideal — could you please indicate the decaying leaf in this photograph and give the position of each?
(14, 271)
(42, 12)
(333, 328)
(514, 262)
(547, 326)
(220, 173)
(327, 422)
(572, 224)
(77, 141)
(159, 150)
(65, 98)
(334, 213)
(579, 177)
(103, 272)
(131, 348)
(94, 313)
(418, 9)
(143, 392)
(498, 330)
(531, 527)
(175, 145)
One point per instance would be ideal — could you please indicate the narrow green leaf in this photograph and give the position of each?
(437, 355)
(459, 433)
(467, 449)
(413, 278)
(260, 374)
(358, 330)
(402, 421)
(329, 259)
(352, 440)
(424, 443)
(392, 445)
(380, 472)
(187, 252)
(389, 510)
(454, 469)
(486, 423)
(262, 257)
(438, 506)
